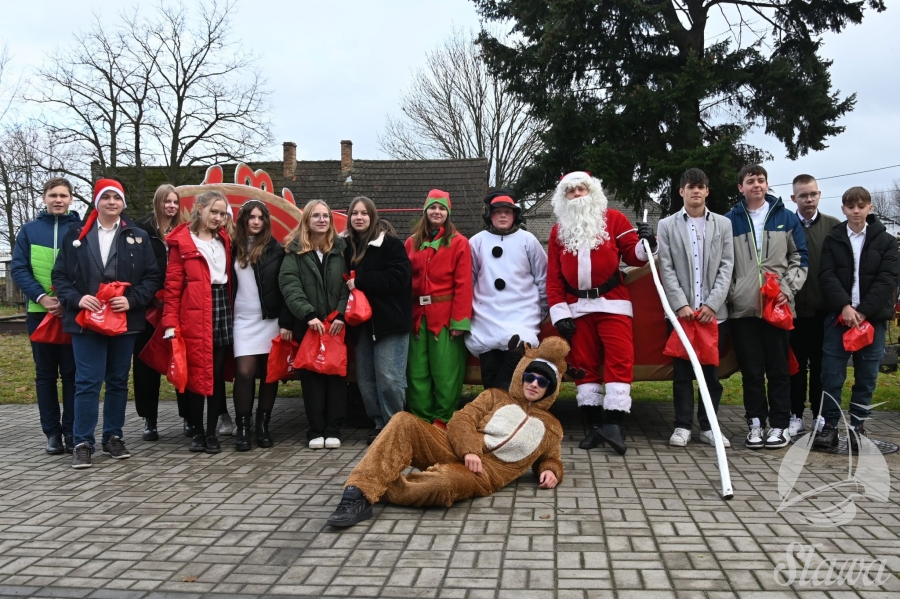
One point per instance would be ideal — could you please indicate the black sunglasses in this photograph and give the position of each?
(542, 381)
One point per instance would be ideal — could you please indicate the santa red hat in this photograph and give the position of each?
(100, 187)
(437, 196)
(574, 178)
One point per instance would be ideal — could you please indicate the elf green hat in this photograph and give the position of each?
(441, 197)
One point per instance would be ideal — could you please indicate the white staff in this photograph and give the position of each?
(727, 491)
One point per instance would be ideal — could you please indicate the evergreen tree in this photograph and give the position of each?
(637, 91)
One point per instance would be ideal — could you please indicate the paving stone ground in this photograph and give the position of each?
(649, 525)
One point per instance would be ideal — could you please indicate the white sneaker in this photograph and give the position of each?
(707, 437)
(332, 443)
(777, 438)
(755, 438)
(680, 437)
(225, 426)
(796, 426)
(317, 443)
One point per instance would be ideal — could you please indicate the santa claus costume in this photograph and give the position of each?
(590, 305)
(509, 270)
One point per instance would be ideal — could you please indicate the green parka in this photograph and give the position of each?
(311, 292)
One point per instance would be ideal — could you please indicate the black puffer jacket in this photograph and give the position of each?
(385, 276)
(148, 224)
(266, 271)
(879, 271)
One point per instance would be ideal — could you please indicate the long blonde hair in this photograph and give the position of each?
(250, 253)
(301, 235)
(202, 201)
(159, 208)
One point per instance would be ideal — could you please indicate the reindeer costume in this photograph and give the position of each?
(509, 433)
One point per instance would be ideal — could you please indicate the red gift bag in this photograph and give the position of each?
(51, 331)
(104, 320)
(793, 364)
(157, 354)
(280, 365)
(704, 338)
(177, 373)
(779, 316)
(358, 308)
(325, 354)
(858, 337)
(154, 314)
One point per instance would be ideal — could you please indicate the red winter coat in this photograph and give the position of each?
(188, 304)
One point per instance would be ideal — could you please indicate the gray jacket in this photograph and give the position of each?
(676, 262)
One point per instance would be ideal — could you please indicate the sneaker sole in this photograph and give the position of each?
(363, 515)
(678, 443)
(150, 437)
(778, 445)
(338, 446)
(755, 445)
(124, 456)
(81, 466)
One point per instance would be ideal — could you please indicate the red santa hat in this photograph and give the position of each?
(574, 178)
(100, 187)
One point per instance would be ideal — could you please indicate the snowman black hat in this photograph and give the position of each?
(501, 198)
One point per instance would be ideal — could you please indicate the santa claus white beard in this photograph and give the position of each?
(582, 220)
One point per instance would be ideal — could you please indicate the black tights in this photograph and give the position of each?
(215, 403)
(246, 370)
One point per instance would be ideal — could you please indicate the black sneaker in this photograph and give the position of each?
(198, 443)
(854, 438)
(212, 444)
(81, 457)
(150, 432)
(115, 448)
(827, 438)
(55, 445)
(353, 508)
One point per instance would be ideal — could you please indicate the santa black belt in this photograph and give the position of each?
(596, 292)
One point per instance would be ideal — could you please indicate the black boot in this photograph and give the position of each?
(70, 443)
(55, 445)
(613, 432)
(212, 445)
(150, 432)
(263, 436)
(188, 428)
(593, 416)
(242, 432)
(198, 443)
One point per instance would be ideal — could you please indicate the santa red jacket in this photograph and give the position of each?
(443, 274)
(588, 269)
(188, 304)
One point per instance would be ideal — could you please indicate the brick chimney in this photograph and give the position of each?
(346, 157)
(290, 159)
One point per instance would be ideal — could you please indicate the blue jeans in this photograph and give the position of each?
(834, 372)
(52, 362)
(381, 375)
(99, 359)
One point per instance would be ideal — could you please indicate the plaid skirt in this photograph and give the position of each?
(223, 323)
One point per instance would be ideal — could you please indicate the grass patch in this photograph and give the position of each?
(17, 383)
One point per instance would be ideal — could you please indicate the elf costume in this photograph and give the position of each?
(442, 302)
(590, 305)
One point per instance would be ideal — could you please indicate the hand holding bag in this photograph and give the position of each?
(358, 308)
(704, 339)
(779, 316)
(51, 331)
(104, 320)
(280, 365)
(323, 353)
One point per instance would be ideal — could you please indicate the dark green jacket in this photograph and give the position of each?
(307, 293)
(808, 300)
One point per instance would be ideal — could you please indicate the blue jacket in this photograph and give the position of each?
(783, 253)
(37, 245)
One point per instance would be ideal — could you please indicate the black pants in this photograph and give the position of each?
(497, 367)
(807, 340)
(53, 362)
(146, 383)
(683, 388)
(762, 353)
(325, 400)
(215, 403)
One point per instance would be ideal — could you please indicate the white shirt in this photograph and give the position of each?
(808, 223)
(758, 217)
(106, 237)
(857, 240)
(697, 230)
(214, 252)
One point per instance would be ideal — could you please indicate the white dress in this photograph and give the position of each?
(252, 334)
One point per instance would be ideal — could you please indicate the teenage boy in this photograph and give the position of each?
(696, 259)
(106, 249)
(488, 444)
(37, 245)
(859, 277)
(808, 333)
(509, 274)
(767, 238)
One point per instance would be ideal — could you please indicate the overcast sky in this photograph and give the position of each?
(337, 70)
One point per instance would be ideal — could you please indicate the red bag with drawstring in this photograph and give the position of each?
(704, 339)
(858, 337)
(51, 331)
(280, 365)
(358, 308)
(104, 320)
(793, 364)
(178, 369)
(778, 316)
(323, 353)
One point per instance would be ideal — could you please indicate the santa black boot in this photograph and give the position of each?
(593, 415)
(612, 430)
